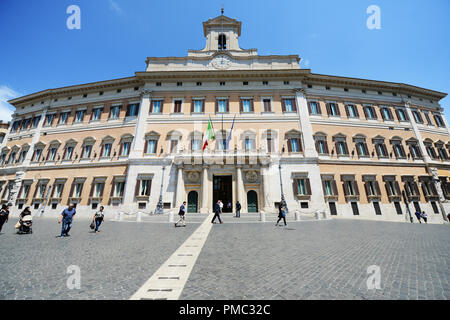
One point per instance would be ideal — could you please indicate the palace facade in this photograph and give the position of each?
(349, 146)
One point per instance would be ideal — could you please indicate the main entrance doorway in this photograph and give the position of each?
(223, 190)
(252, 201)
(193, 202)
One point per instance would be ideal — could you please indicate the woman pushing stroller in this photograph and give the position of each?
(25, 222)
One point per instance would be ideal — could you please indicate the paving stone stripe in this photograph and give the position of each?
(168, 282)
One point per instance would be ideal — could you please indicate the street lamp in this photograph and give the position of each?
(283, 201)
(159, 206)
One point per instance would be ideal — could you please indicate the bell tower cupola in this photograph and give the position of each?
(222, 34)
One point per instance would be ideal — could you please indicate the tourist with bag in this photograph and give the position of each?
(281, 214)
(182, 214)
(4, 215)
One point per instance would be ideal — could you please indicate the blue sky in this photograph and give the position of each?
(39, 52)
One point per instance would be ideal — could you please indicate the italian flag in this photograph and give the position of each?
(209, 134)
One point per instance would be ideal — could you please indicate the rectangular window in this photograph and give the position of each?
(334, 111)
(69, 152)
(196, 144)
(118, 189)
(370, 112)
(301, 187)
(355, 208)
(63, 117)
(399, 152)
(321, 147)
(246, 105)
(106, 150)
(386, 114)
(114, 112)
(78, 189)
(398, 207)
(87, 151)
(295, 147)
(49, 119)
(157, 106)
(222, 105)
(58, 190)
(151, 146)
(267, 105)
(96, 113)
(376, 206)
(352, 111)
(198, 106)
(328, 187)
(341, 148)
(52, 154)
(41, 191)
(36, 121)
(249, 144)
(417, 116)
(25, 191)
(177, 106)
(314, 107)
(289, 105)
(144, 188)
(79, 115)
(401, 114)
(126, 148)
(132, 110)
(37, 155)
(439, 121)
(98, 190)
(173, 146)
(350, 188)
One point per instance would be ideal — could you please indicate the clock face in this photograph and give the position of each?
(221, 61)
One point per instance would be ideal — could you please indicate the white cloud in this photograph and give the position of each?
(6, 110)
(306, 63)
(115, 7)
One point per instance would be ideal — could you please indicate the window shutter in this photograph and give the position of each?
(309, 107)
(377, 146)
(136, 190)
(252, 106)
(397, 188)
(385, 150)
(228, 105)
(366, 187)
(146, 146)
(344, 184)
(149, 188)
(355, 183)
(151, 106)
(337, 109)
(20, 191)
(391, 117)
(300, 146)
(420, 117)
(382, 113)
(366, 149)
(91, 192)
(71, 189)
(156, 146)
(433, 189)
(328, 108)
(334, 186)
(35, 189)
(48, 153)
(192, 106)
(111, 192)
(423, 189)
(345, 147)
(308, 187)
(34, 154)
(325, 144)
(294, 105)
(319, 111)
(121, 148)
(324, 188)
(416, 188)
(53, 190)
(388, 190)
(374, 111)
(81, 190)
(357, 149)
(365, 112)
(283, 105)
(101, 150)
(289, 145)
(217, 106)
(122, 189)
(377, 188)
(64, 153)
(346, 111)
(101, 189)
(62, 189)
(295, 187)
(241, 106)
(317, 146)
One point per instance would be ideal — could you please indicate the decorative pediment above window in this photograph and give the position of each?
(126, 137)
(174, 135)
(412, 141)
(395, 140)
(369, 177)
(99, 179)
(55, 143)
(389, 178)
(196, 135)
(328, 176)
(39, 145)
(220, 134)
(79, 180)
(299, 175)
(292, 134)
(152, 135)
(15, 147)
(347, 177)
(71, 143)
(108, 139)
(377, 139)
(359, 138)
(119, 178)
(407, 178)
(439, 143)
(270, 133)
(89, 141)
(339, 137)
(248, 134)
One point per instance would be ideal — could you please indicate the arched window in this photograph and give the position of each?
(222, 42)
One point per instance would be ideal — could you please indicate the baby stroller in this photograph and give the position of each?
(25, 225)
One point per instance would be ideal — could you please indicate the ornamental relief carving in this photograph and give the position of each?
(193, 177)
(252, 176)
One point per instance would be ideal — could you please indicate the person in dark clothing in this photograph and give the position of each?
(99, 217)
(182, 214)
(66, 219)
(281, 214)
(238, 209)
(217, 212)
(4, 215)
(418, 216)
(424, 216)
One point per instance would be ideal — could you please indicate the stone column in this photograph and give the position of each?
(265, 175)
(180, 193)
(205, 191)
(240, 187)
(137, 147)
(309, 145)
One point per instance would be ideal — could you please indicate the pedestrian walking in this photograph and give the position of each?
(182, 214)
(424, 216)
(66, 219)
(418, 215)
(229, 205)
(281, 214)
(238, 209)
(4, 215)
(217, 212)
(99, 217)
(221, 206)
